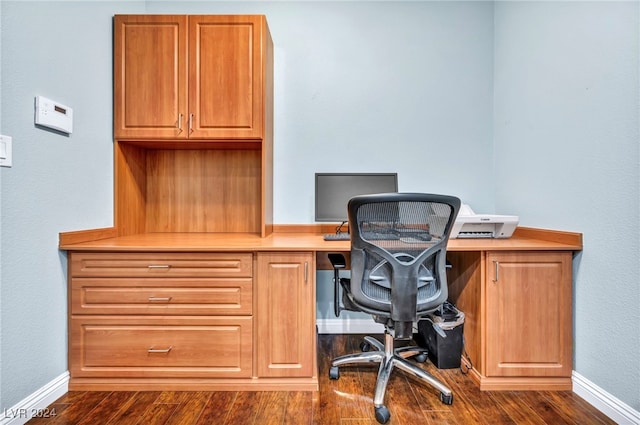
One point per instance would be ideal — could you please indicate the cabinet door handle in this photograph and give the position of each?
(159, 350)
(306, 272)
(160, 299)
(159, 266)
(180, 122)
(497, 271)
(190, 123)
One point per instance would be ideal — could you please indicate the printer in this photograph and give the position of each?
(471, 225)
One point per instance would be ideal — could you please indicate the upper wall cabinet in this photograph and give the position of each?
(192, 77)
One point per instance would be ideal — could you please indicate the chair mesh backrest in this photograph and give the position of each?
(399, 252)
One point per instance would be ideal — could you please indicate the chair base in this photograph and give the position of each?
(389, 357)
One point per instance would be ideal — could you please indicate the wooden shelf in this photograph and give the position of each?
(193, 190)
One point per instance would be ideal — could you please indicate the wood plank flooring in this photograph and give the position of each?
(346, 401)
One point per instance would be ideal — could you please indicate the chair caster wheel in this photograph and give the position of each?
(420, 358)
(365, 346)
(446, 399)
(382, 414)
(334, 372)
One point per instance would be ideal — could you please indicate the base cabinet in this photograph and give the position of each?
(285, 326)
(518, 320)
(180, 320)
(529, 316)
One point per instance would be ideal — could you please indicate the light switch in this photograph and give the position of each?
(5, 151)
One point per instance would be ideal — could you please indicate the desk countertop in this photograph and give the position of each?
(105, 240)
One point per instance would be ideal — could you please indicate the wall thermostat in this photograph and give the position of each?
(53, 115)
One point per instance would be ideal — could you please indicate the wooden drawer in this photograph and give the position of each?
(158, 264)
(155, 347)
(185, 296)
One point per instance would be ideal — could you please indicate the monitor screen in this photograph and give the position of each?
(333, 191)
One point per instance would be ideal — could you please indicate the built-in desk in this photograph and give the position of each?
(216, 311)
(166, 299)
(155, 304)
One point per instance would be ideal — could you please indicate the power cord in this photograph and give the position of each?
(467, 364)
(339, 228)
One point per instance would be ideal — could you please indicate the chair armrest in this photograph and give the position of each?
(337, 261)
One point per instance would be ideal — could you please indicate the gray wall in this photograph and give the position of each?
(457, 97)
(61, 50)
(566, 137)
(1, 403)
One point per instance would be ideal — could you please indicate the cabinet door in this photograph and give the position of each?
(285, 327)
(150, 76)
(226, 76)
(528, 309)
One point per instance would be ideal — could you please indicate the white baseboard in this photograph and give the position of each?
(620, 412)
(349, 326)
(36, 404)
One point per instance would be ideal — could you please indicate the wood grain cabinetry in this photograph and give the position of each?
(193, 124)
(192, 290)
(161, 315)
(114, 283)
(139, 305)
(518, 318)
(111, 347)
(192, 320)
(192, 77)
(528, 314)
(193, 154)
(286, 314)
(150, 76)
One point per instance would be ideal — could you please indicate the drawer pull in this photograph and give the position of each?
(159, 350)
(160, 299)
(159, 266)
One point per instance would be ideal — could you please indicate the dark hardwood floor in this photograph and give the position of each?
(346, 401)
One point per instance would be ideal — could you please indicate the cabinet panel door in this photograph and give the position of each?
(226, 76)
(285, 327)
(529, 314)
(150, 76)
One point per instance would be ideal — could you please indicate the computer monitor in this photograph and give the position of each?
(333, 191)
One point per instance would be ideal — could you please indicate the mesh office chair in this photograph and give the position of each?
(398, 260)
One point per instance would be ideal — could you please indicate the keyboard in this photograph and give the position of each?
(342, 236)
